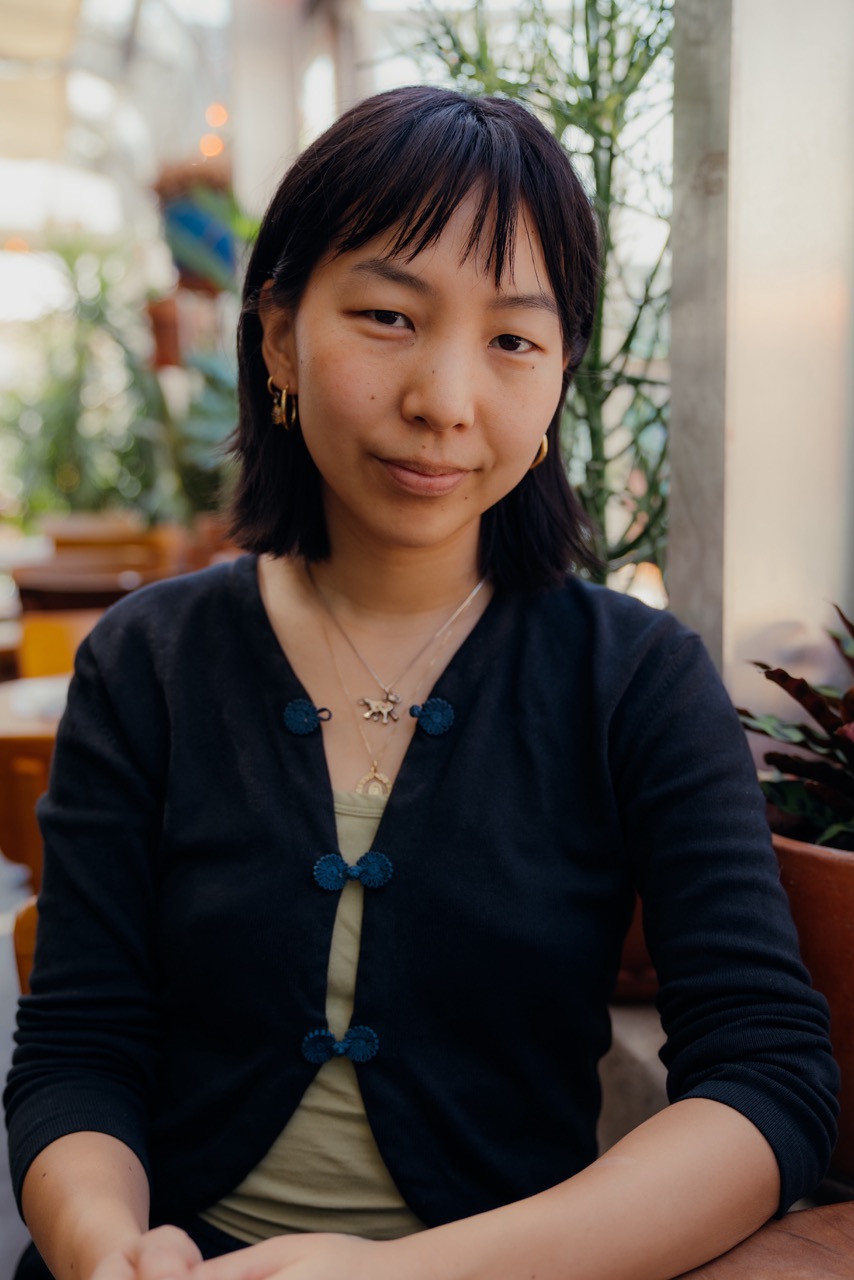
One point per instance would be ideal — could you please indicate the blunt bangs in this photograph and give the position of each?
(398, 165)
(469, 156)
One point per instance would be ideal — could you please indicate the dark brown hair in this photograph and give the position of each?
(401, 162)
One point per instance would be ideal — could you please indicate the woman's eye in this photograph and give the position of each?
(391, 319)
(512, 342)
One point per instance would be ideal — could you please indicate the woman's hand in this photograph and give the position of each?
(166, 1253)
(320, 1256)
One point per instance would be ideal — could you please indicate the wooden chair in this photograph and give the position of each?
(26, 922)
(24, 771)
(50, 638)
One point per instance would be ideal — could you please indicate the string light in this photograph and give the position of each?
(210, 145)
(216, 115)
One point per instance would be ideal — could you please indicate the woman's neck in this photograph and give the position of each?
(366, 582)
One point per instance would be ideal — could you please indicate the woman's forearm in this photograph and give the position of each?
(682, 1188)
(85, 1196)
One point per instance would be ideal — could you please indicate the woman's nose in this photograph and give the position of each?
(440, 392)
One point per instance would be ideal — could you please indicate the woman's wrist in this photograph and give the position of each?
(85, 1196)
(94, 1233)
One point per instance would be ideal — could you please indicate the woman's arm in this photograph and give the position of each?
(682, 1188)
(85, 1201)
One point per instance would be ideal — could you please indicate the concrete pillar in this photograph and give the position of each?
(698, 346)
(762, 533)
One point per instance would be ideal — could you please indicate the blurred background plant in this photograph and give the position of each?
(809, 787)
(601, 78)
(102, 418)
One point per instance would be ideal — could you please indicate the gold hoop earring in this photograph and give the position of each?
(542, 453)
(290, 409)
(276, 412)
(285, 410)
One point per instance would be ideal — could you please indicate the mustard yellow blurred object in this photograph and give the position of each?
(50, 638)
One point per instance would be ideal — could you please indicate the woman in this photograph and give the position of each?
(398, 736)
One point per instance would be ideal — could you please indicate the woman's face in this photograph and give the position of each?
(424, 390)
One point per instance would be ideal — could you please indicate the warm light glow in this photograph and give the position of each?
(16, 244)
(216, 115)
(210, 145)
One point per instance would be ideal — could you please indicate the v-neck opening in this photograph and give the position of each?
(247, 568)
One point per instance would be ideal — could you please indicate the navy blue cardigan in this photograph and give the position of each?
(183, 944)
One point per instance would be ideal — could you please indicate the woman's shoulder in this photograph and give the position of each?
(609, 645)
(173, 601)
(610, 620)
(175, 622)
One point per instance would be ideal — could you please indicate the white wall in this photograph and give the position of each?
(790, 420)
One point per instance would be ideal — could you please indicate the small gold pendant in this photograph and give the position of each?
(374, 783)
(381, 710)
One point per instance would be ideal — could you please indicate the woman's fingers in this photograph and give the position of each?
(166, 1253)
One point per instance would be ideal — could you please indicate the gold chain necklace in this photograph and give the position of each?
(374, 782)
(383, 710)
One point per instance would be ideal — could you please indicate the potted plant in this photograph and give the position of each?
(810, 795)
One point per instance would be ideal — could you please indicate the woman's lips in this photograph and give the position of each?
(423, 477)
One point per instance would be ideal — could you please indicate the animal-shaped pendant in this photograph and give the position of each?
(380, 710)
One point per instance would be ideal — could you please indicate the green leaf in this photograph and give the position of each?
(793, 797)
(831, 835)
(773, 727)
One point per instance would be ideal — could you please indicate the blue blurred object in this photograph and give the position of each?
(197, 228)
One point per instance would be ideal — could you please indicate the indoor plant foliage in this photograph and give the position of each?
(91, 427)
(811, 790)
(600, 78)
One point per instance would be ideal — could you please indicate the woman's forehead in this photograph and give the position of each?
(469, 233)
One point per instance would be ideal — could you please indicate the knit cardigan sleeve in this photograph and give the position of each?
(743, 1026)
(88, 1034)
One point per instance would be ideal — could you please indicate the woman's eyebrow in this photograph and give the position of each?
(396, 275)
(540, 300)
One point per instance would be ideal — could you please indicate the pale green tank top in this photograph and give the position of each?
(324, 1171)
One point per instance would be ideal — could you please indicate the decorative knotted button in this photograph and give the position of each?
(302, 716)
(359, 1044)
(373, 870)
(434, 717)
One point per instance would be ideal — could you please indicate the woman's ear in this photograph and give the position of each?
(277, 346)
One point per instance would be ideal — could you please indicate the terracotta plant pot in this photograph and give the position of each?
(820, 885)
(163, 315)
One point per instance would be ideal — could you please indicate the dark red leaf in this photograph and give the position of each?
(843, 805)
(809, 698)
(840, 644)
(846, 622)
(818, 770)
(846, 704)
(844, 737)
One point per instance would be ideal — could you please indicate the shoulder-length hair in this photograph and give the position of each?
(400, 163)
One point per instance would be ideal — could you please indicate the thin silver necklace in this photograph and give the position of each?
(384, 710)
